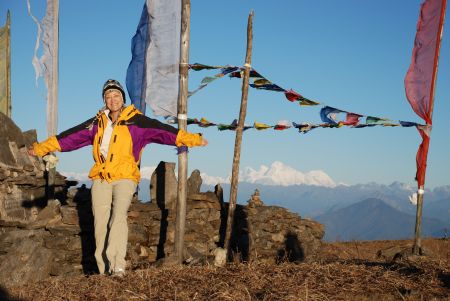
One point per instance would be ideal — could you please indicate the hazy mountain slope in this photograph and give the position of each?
(373, 219)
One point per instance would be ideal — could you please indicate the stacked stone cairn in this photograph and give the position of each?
(42, 237)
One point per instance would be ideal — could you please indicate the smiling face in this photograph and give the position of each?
(113, 100)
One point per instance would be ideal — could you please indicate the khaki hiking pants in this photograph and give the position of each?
(110, 203)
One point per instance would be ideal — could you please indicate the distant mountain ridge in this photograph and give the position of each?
(319, 202)
(373, 219)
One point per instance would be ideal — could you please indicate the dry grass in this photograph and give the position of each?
(343, 271)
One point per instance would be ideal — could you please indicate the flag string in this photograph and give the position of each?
(302, 127)
(329, 115)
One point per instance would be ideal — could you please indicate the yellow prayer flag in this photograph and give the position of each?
(261, 126)
(261, 82)
(308, 102)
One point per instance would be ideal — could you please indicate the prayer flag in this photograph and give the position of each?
(199, 67)
(232, 126)
(239, 74)
(44, 65)
(304, 127)
(261, 82)
(153, 73)
(375, 120)
(135, 80)
(328, 114)
(420, 78)
(205, 123)
(307, 102)
(261, 126)
(270, 87)
(408, 123)
(352, 119)
(291, 95)
(282, 125)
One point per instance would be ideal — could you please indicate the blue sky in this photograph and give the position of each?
(352, 55)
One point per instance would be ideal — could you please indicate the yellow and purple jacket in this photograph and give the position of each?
(131, 133)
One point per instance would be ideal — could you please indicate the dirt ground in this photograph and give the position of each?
(370, 270)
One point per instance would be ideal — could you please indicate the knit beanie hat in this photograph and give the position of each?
(113, 84)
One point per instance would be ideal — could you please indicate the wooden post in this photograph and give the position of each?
(182, 125)
(54, 94)
(417, 248)
(8, 66)
(239, 130)
(54, 79)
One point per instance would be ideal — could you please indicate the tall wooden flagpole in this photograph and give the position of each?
(55, 65)
(182, 125)
(417, 247)
(239, 130)
(8, 67)
(54, 93)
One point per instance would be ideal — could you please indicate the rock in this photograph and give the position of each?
(204, 196)
(163, 185)
(26, 260)
(401, 252)
(194, 183)
(218, 191)
(10, 137)
(137, 233)
(220, 257)
(63, 229)
(52, 210)
(70, 215)
(63, 243)
(29, 137)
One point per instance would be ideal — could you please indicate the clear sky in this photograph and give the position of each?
(352, 55)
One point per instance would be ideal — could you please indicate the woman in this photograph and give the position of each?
(118, 134)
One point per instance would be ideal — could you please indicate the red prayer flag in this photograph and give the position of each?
(291, 95)
(421, 76)
(352, 119)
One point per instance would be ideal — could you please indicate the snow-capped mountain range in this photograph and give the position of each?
(277, 174)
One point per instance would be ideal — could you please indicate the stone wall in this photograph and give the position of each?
(40, 238)
(22, 178)
(152, 225)
(276, 234)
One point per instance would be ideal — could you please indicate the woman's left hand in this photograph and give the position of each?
(31, 152)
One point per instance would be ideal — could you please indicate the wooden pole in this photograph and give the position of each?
(8, 66)
(182, 125)
(54, 78)
(239, 130)
(54, 94)
(417, 247)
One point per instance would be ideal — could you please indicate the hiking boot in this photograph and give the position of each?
(119, 273)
